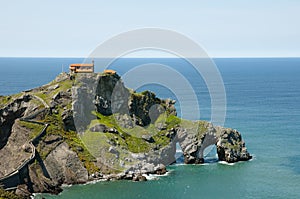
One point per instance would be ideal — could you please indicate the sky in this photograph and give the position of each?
(224, 28)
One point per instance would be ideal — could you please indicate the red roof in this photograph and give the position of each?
(73, 65)
(109, 71)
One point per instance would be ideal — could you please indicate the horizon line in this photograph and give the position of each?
(216, 57)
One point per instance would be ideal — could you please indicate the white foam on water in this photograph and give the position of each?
(253, 157)
(203, 164)
(66, 185)
(155, 176)
(226, 163)
(150, 177)
(95, 181)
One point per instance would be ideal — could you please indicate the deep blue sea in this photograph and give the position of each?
(263, 103)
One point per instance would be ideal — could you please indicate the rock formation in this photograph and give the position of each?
(90, 126)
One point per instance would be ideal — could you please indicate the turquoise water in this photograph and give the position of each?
(263, 98)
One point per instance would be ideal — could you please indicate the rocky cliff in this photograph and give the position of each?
(89, 126)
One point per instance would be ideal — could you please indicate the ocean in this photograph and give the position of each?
(263, 103)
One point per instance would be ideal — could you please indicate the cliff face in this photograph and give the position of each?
(122, 129)
(90, 126)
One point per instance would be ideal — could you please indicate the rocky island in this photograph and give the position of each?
(84, 127)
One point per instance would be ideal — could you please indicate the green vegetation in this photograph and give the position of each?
(65, 85)
(129, 140)
(35, 129)
(137, 145)
(62, 86)
(84, 155)
(172, 121)
(161, 139)
(8, 195)
(202, 127)
(198, 127)
(72, 139)
(97, 145)
(4, 100)
(43, 95)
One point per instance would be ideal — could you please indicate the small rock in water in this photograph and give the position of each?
(139, 178)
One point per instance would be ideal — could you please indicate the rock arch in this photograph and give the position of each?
(208, 139)
(229, 144)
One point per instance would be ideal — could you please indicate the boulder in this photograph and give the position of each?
(160, 169)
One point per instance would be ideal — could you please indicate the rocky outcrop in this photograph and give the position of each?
(229, 143)
(108, 95)
(97, 128)
(153, 162)
(111, 96)
(145, 107)
(68, 120)
(39, 183)
(9, 114)
(64, 166)
(16, 151)
(230, 146)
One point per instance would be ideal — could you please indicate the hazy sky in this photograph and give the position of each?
(224, 28)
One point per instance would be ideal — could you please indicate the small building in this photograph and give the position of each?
(82, 68)
(108, 71)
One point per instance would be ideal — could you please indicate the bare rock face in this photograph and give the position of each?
(111, 95)
(68, 120)
(64, 166)
(83, 98)
(40, 181)
(108, 95)
(9, 114)
(16, 151)
(188, 143)
(145, 107)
